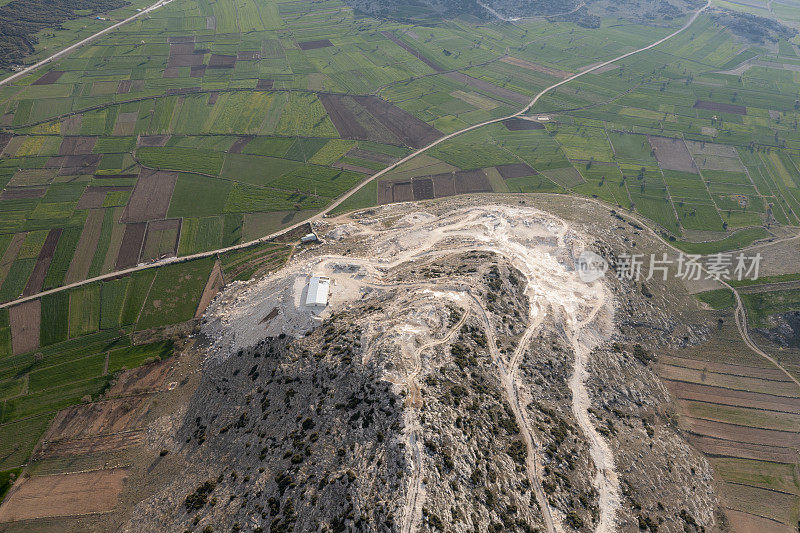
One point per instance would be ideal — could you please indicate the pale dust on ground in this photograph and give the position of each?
(359, 254)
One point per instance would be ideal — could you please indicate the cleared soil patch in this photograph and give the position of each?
(313, 45)
(197, 71)
(140, 380)
(412, 51)
(353, 122)
(520, 124)
(72, 124)
(721, 108)
(444, 184)
(77, 145)
(408, 128)
(63, 495)
(469, 181)
(370, 118)
(84, 253)
(742, 522)
(152, 140)
(131, 245)
(73, 165)
(5, 138)
(264, 85)
(729, 381)
(124, 87)
(25, 319)
(89, 445)
(711, 394)
(126, 123)
(23, 193)
(221, 61)
(747, 434)
(36, 280)
(672, 154)
(422, 188)
(392, 192)
(182, 90)
(151, 196)
(536, 68)
(182, 55)
(769, 373)
(491, 88)
(436, 186)
(516, 170)
(115, 176)
(50, 77)
(239, 144)
(94, 196)
(96, 418)
(213, 285)
(745, 450)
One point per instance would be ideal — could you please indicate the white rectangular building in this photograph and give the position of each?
(318, 289)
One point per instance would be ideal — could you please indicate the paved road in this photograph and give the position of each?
(347, 195)
(77, 45)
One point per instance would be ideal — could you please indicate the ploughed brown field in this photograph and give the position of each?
(520, 124)
(49, 78)
(313, 45)
(75, 494)
(672, 154)
(151, 196)
(436, 186)
(36, 281)
(370, 118)
(745, 416)
(516, 170)
(131, 245)
(25, 321)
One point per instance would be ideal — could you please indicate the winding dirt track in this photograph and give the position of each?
(347, 195)
(510, 383)
(412, 509)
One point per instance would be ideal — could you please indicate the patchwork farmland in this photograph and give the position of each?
(203, 126)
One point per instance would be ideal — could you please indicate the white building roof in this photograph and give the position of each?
(318, 288)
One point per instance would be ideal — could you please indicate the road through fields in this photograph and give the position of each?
(73, 47)
(347, 195)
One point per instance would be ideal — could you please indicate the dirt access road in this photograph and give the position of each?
(347, 195)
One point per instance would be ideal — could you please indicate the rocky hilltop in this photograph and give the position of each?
(462, 378)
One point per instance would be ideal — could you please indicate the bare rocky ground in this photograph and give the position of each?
(463, 378)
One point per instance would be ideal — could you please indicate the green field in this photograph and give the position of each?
(717, 299)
